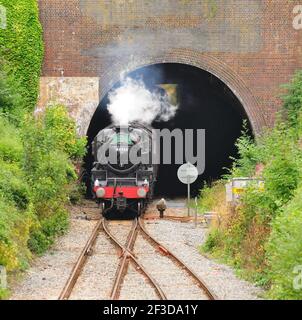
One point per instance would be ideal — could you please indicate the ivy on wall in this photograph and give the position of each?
(21, 46)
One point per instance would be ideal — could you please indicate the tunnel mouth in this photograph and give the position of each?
(204, 102)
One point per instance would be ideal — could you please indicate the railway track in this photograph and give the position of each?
(139, 261)
(126, 257)
(175, 218)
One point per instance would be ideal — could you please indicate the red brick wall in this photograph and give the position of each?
(250, 44)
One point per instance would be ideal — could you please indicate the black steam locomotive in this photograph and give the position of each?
(120, 184)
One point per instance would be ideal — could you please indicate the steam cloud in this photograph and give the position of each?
(134, 102)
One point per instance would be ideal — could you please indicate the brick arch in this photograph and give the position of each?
(202, 61)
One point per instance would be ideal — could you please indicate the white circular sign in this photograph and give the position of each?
(187, 173)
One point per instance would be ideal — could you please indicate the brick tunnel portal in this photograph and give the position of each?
(204, 102)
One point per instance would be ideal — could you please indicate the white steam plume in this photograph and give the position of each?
(134, 102)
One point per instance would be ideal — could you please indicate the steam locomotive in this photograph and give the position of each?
(120, 184)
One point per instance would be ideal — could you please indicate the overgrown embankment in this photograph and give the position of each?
(37, 154)
(262, 237)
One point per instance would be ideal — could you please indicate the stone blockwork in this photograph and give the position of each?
(251, 45)
(80, 94)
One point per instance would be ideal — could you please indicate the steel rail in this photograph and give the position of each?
(123, 266)
(128, 254)
(79, 265)
(173, 218)
(178, 261)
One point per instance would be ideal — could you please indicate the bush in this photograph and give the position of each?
(293, 99)
(36, 176)
(49, 143)
(214, 240)
(61, 132)
(15, 212)
(44, 235)
(262, 236)
(10, 100)
(13, 185)
(281, 179)
(4, 294)
(284, 250)
(10, 143)
(14, 234)
(248, 155)
(208, 196)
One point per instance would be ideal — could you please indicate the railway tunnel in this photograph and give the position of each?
(204, 102)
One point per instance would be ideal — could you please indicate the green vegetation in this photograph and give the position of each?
(212, 8)
(284, 250)
(262, 236)
(21, 46)
(37, 153)
(37, 176)
(50, 142)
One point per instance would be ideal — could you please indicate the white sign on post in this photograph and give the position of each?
(187, 174)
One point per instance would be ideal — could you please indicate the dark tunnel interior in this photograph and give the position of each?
(205, 102)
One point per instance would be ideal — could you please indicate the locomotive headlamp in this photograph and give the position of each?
(100, 193)
(96, 183)
(141, 192)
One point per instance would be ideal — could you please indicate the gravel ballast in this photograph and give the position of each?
(174, 281)
(183, 239)
(48, 274)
